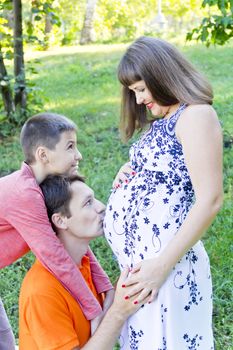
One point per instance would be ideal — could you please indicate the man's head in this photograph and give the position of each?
(50, 139)
(72, 207)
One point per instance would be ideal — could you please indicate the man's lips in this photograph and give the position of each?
(75, 166)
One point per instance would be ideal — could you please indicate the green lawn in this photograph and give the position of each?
(81, 83)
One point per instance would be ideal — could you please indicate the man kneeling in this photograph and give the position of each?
(50, 318)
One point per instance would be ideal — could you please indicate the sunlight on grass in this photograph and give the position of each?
(81, 83)
(69, 50)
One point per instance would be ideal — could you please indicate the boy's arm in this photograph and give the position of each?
(28, 215)
(99, 277)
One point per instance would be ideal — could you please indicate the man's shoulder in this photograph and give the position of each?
(39, 281)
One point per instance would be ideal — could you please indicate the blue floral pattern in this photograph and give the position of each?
(142, 216)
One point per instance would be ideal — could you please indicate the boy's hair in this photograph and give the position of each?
(43, 129)
(57, 194)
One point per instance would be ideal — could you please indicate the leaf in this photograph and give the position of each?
(204, 34)
(4, 83)
(37, 18)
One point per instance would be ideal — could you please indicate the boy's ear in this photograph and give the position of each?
(59, 221)
(42, 154)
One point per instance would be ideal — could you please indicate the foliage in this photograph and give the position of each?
(40, 17)
(6, 28)
(83, 86)
(71, 14)
(12, 114)
(115, 20)
(9, 283)
(120, 19)
(217, 28)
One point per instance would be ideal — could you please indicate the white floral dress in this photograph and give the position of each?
(141, 218)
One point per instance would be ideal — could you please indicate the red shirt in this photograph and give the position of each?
(24, 225)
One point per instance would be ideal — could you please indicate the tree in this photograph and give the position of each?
(15, 89)
(6, 51)
(87, 35)
(71, 14)
(5, 89)
(20, 99)
(42, 18)
(14, 99)
(217, 28)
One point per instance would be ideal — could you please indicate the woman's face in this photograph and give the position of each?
(143, 95)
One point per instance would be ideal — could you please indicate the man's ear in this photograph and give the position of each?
(42, 154)
(59, 221)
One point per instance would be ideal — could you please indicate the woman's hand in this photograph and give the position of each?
(123, 304)
(122, 300)
(147, 278)
(123, 174)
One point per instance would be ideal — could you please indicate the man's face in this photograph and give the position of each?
(64, 159)
(86, 211)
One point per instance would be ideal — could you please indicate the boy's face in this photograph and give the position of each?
(64, 159)
(87, 213)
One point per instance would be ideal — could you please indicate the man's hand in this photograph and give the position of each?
(123, 306)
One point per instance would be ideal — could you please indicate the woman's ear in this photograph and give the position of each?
(59, 221)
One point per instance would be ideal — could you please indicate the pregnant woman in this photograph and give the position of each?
(165, 198)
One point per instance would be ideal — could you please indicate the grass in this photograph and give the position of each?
(81, 83)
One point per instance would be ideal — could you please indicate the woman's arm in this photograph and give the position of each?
(200, 134)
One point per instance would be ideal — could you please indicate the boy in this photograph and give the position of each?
(49, 144)
(77, 218)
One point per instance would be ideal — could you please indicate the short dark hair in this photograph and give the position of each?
(167, 74)
(57, 193)
(43, 129)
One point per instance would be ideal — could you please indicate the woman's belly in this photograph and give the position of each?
(141, 218)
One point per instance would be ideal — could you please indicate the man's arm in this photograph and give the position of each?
(45, 316)
(109, 329)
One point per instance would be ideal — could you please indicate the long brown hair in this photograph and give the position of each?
(167, 74)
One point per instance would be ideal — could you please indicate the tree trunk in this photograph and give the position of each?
(87, 33)
(48, 25)
(20, 86)
(5, 88)
(47, 31)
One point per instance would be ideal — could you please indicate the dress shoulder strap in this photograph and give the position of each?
(170, 126)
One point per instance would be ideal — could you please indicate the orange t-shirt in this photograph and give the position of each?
(49, 317)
